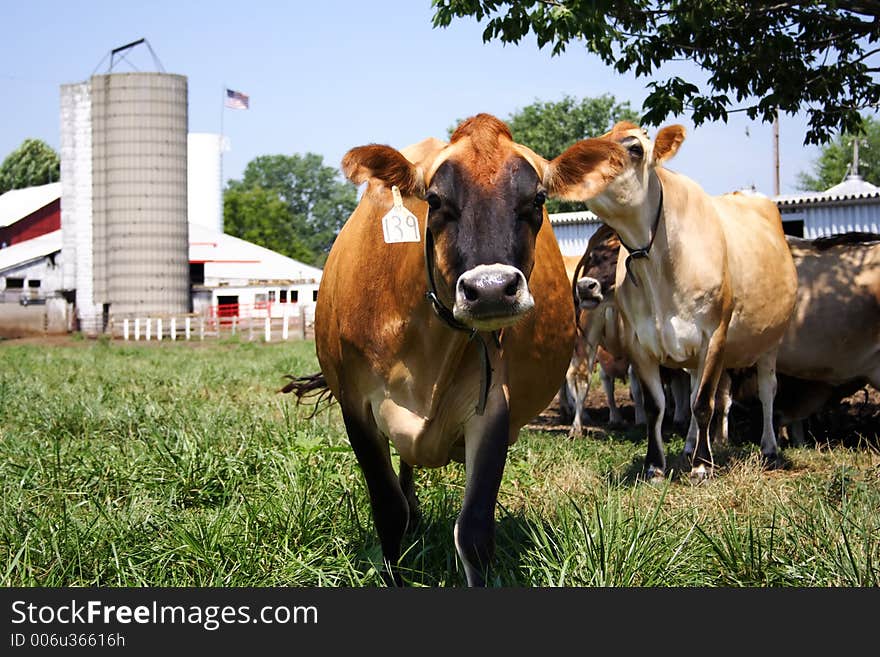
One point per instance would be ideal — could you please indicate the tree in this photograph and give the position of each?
(32, 163)
(316, 204)
(260, 216)
(549, 127)
(835, 159)
(816, 55)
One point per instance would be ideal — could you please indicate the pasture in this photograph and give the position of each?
(180, 465)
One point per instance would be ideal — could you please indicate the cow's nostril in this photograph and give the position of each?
(512, 287)
(470, 291)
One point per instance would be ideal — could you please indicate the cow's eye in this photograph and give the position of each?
(540, 198)
(434, 201)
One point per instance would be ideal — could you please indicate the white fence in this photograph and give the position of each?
(290, 326)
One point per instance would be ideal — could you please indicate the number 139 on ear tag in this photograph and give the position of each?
(400, 225)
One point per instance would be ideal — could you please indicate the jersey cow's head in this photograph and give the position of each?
(485, 205)
(612, 172)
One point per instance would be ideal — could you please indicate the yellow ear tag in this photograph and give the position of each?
(400, 225)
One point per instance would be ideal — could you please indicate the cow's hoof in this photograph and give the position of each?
(573, 433)
(771, 461)
(654, 475)
(700, 473)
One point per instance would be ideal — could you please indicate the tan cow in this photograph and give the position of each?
(599, 339)
(447, 346)
(704, 282)
(832, 345)
(834, 336)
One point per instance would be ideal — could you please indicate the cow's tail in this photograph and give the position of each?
(311, 389)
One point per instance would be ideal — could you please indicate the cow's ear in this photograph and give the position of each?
(585, 169)
(530, 156)
(667, 141)
(423, 153)
(385, 165)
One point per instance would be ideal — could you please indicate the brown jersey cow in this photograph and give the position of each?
(446, 347)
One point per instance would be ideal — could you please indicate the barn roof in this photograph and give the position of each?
(229, 257)
(16, 204)
(29, 250)
(854, 188)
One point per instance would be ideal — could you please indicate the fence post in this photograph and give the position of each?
(172, 332)
(149, 329)
(125, 329)
(137, 328)
(186, 327)
(268, 330)
(251, 328)
(234, 322)
(159, 329)
(201, 328)
(284, 317)
(302, 321)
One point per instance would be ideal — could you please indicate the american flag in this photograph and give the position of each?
(236, 99)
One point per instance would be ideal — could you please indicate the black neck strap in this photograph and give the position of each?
(446, 315)
(637, 254)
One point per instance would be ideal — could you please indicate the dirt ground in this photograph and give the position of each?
(851, 422)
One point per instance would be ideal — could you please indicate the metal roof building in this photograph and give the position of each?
(573, 230)
(853, 205)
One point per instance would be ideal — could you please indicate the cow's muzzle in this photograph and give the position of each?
(589, 292)
(489, 297)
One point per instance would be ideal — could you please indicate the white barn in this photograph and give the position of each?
(233, 277)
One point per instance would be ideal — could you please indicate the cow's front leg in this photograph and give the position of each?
(648, 373)
(705, 385)
(486, 441)
(387, 500)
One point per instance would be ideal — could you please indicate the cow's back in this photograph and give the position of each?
(834, 335)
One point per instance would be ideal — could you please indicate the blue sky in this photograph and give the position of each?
(326, 76)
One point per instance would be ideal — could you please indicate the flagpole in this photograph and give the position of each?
(220, 145)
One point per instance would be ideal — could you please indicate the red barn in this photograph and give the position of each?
(29, 212)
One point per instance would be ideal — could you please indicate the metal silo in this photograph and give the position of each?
(140, 235)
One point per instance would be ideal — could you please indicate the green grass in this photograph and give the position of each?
(181, 465)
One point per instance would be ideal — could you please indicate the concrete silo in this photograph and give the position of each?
(205, 202)
(128, 204)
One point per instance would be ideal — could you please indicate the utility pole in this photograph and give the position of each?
(855, 164)
(776, 153)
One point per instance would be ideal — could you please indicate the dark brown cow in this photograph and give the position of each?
(401, 329)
